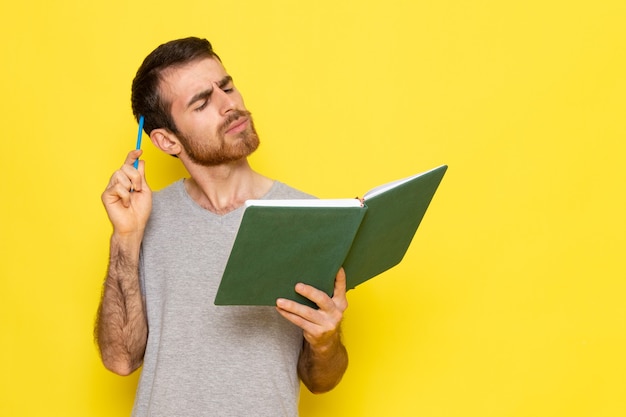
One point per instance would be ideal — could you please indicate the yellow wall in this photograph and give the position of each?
(512, 298)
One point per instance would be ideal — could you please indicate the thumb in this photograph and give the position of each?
(142, 171)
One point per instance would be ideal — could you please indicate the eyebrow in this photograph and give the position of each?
(206, 94)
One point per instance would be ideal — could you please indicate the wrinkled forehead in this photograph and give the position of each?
(180, 82)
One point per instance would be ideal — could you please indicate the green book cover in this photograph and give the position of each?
(277, 247)
(391, 220)
(283, 242)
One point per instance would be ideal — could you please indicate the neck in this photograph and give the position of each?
(224, 188)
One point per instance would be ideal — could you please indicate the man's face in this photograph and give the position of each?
(213, 124)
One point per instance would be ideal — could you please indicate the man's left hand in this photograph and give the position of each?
(321, 326)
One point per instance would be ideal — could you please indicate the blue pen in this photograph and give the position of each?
(136, 164)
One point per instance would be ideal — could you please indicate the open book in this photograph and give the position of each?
(283, 242)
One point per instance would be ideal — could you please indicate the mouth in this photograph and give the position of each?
(238, 126)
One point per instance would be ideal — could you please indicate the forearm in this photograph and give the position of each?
(321, 368)
(121, 327)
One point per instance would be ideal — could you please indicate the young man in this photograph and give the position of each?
(168, 253)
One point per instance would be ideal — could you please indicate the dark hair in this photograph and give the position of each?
(145, 97)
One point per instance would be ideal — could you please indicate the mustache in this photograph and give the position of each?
(232, 116)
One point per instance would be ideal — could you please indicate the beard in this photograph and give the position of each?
(217, 150)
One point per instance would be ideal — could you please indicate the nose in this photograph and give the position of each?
(226, 102)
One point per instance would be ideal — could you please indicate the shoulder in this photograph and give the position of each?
(169, 201)
(169, 193)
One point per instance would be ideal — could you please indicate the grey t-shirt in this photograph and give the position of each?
(202, 359)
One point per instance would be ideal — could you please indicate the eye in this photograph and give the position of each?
(229, 87)
(202, 106)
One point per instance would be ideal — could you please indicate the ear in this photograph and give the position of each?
(166, 141)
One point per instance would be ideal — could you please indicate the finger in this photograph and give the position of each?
(340, 284)
(306, 325)
(124, 195)
(339, 295)
(116, 192)
(319, 297)
(134, 176)
(307, 318)
(296, 309)
(317, 327)
(119, 177)
(132, 156)
(142, 172)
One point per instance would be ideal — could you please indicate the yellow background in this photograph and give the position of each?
(512, 298)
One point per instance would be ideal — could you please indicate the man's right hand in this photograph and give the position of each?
(128, 199)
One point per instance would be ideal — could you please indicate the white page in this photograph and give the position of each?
(382, 188)
(342, 202)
